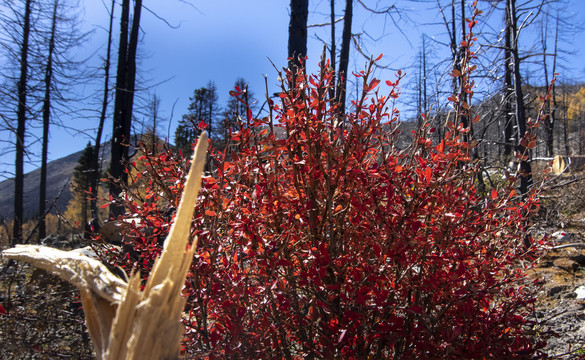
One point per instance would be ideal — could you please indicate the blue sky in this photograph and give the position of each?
(222, 40)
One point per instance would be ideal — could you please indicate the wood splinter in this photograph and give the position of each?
(123, 321)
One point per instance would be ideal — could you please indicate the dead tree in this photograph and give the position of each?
(98, 137)
(297, 33)
(21, 125)
(124, 101)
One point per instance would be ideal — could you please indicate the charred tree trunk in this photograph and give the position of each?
(20, 129)
(548, 124)
(333, 52)
(98, 138)
(297, 33)
(525, 164)
(509, 136)
(125, 85)
(46, 122)
(341, 89)
(465, 116)
(553, 108)
(454, 49)
(425, 104)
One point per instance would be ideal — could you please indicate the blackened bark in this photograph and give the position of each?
(424, 76)
(454, 50)
(98, 138)
(333, 52)
(132, 47)
(525, 165)
(551, 119)
(46, 122)
(297, 33)
(344, 56)
(554, 69)
(20, 129)
(509, 135)
(465, 115)
(125, 85)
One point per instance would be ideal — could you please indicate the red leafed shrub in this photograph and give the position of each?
(319, 238)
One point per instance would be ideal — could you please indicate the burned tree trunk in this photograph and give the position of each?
(20, 129)
(297, 33)
(125, 85)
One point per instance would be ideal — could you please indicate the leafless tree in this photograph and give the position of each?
(60, 72)
(124, 100)
(100, 129)
(297, 33)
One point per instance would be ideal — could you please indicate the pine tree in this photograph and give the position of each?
(82, 182)
(202, 109)
(235, 110)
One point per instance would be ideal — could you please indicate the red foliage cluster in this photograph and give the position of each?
(319, 238)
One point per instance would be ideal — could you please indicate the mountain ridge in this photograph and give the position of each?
(59, 176)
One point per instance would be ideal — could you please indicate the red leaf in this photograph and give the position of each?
(2, 310)
(209, 212)
(379, 57)
(494, 194)
(428, 173)
(372, 85)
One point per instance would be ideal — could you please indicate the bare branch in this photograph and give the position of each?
(384, 11)
(325, 24)
(161, 18)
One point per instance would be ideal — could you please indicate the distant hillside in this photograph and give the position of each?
(59, 174)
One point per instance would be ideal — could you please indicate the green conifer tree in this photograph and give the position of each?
(82, 180)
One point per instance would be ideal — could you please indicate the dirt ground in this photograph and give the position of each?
(561, 301)
(44, 320)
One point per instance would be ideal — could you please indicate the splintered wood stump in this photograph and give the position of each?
(123, 321)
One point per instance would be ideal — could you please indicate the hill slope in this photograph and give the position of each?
(59, 175)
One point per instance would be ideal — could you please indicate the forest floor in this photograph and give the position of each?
(44, 319)
(560, 304)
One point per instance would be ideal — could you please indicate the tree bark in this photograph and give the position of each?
(20, 129)
(509, 135)
(98, 138)
(464, 117)
(344, 56)
(548, 124)
(553, 108)
(525, 164)
(125, 86)
(454, 50)
(46, 122)
(333, 52)
(297, 33)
